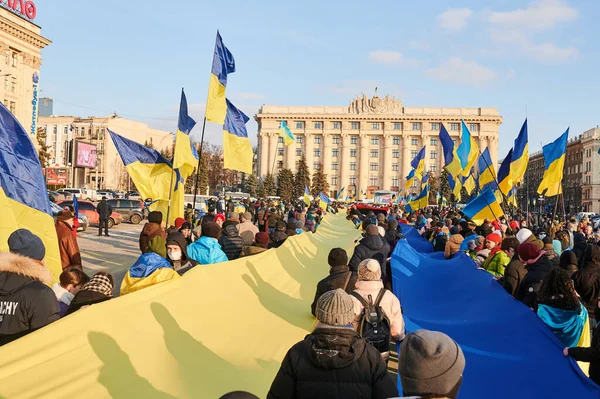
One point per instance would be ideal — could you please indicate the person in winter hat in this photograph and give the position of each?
(525, 235)
(67, 242)
(368, 286)
(538, 266)
(70, 283)
(231, 242)
(261, 244)
(177, 253)
(206, 249)
(339, 276)
(372, 246)
(333, 362)
(246, 224)
(499, 256)
(430, 365)
(568, 261)
(98, 289)
(153, 234)
(453, 245)
(579, 246)
(27, 302)
(278, 236)
(515, 271)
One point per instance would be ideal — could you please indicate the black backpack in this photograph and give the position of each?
(374, 325)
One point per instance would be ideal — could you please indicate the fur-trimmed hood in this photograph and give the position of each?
(17, 271)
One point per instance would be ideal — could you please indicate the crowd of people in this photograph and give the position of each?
(553, 268)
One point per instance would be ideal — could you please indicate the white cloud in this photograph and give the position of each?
(539, 15)
(386, 57)
(550, 53)
(454, 19)
(458, 70)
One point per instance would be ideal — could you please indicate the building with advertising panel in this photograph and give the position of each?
(21, 44)
(368, 145)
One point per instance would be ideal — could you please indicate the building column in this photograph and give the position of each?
(344, 164)
(326, 156)
(264, 154)
(272, 153)
(308, 152)
(387, 162)
(363, 168)
(290, 156)
(405, 158)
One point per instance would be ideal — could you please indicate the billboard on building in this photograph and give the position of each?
(56, 176)
(85, 155)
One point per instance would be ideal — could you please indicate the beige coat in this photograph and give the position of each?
(389, 304)
(247, 226)
(453, 245)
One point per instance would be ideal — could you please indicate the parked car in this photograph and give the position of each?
(109, 194)
(84, 221)
(55, 196)
(80, 193)
(132, 210)
(133, 195)
(89, 209)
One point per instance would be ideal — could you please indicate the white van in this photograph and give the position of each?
(80, 193)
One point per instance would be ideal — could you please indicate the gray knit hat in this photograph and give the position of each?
(430, 362)
(335, 308)
(369, 270)
(24, 242)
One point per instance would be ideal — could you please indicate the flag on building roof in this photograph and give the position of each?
(237, 150)
(520, 155)
(223, 64)
(418, 163)
(286, 133)
(504, 177)
(467, 151)
(23, 196)
(185, 157)
(554, 163)
(451, 160)
(484, 206)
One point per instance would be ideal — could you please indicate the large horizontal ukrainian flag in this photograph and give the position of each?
(23, 196)
(151, 173)
(484, 206)
(185, 158)
(237, 150)
(554, 161)
(451, 160)
(223, 64)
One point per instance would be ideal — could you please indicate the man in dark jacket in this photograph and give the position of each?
(485, 229)
(26, 302)
(538, 266)
(278, 236)
(333, 361)
(587, 281)
(152, 231)
(515, 271)
(340, 276)
(104, 211)
(392, 235)
(373, 246)
(177, 253)
(231, 242)
(579, 246)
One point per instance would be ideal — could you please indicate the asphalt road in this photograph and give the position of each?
(114, 254)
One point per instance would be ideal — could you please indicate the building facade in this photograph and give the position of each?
(581, 179)
(21, 43)
(109, 172)
(368, 145)
(46, 107)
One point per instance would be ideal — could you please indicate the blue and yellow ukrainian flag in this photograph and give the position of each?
(286, 133)
(425, 179)
(23, 197)
(223, 64)
(455, 185)
(421, 201)
(410, 179)
(186, 157)
(339, 194)
(484, 206)
(487, 171)
(467, 151)
(451, 160)
(237, 150)
(151, 174)
(505, 183)
(148, 270)
(554, 161)
(418, 163)
(512, 197)
(468, 183)
(520, 156)
(323, 201)
(307, 198)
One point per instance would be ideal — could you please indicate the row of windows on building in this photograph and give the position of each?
(11, 105)
(395, 125)
(80, 131)
(11, 58)
(10, 84)
(414, 141)
(335, 153)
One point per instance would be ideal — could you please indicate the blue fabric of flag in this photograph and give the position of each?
(147, 264)
(223, 61)
(131, 152)
(447, 145)
(185, 123)
(235, 122)
(567, 325)
(555, 150)
(75, 205)
(499, 336)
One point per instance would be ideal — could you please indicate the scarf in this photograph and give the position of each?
(100, 284)
(62, 295)
(567, 325)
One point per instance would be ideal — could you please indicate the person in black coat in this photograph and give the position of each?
(538, 266)
(333, 362)
(340, 276)
(589, 355)
(97, 290)
(104, 211)
(392, 235)
(579, 246)
(231, 242)
(372, 246)
(26, 302)
(587, 281)
(278, 236)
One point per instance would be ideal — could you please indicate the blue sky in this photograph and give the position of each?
(535, 58)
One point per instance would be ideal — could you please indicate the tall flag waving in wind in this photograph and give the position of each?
(455, 186)
(286, 133)
(484, 206)
(306, 196)
(421, 201)
(223, 64)
(23, 197)
(554, 162)
(487, 171)
(451, 160)
(504, 179)
(237, 150)
(520, 156)
(418, 163)
(185, 158)
(467, 150)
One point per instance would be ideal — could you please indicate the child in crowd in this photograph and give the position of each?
(72, 279)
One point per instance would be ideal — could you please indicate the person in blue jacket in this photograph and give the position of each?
(206, 250)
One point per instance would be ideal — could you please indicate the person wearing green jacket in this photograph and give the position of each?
(500, 255)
